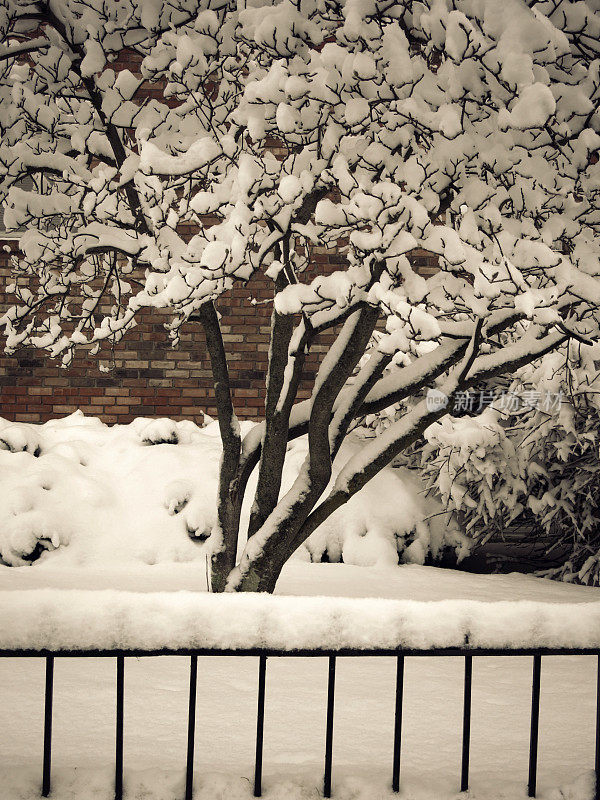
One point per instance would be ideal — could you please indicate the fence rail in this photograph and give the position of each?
(466, 653)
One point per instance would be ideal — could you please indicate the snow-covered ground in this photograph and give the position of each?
(156, 688)
(156, 707)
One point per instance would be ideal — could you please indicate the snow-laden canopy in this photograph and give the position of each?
(468, 128)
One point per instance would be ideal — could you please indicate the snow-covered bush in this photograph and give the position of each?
(256, 134)
(160, 431)
(534, 459)
(17, 438)
(98, 495)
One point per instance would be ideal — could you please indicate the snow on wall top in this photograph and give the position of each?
(50, 619)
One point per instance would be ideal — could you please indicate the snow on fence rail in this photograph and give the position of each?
(79, 620)
(54, 623)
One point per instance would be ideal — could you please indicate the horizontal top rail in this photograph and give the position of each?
(55, 621)
(305, 653)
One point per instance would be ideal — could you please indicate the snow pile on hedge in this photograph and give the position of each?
(75, 491)
(80, 620)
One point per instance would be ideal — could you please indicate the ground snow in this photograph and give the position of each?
(85, 493)
(156, 707)
(156, 688)
(294, 784)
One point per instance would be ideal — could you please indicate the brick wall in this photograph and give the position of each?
(147, 376)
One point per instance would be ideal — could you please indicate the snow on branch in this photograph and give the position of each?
(337, 129)
(15, 50)
(472, 369)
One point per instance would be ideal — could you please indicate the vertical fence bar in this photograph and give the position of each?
(597, 759)
(189, 769)
(119, 728)
(260, 724)
(535, 720)
(466, 737)
(398, 723)
(329, 729)
(48, 726)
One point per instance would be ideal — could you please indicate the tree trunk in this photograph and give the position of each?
(261, 577)
(219, 570)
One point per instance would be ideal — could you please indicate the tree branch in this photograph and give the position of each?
(268, 550)
(95, 97)
(30, 46)
(274, 442)
(373, 458)
(351, 399)
(297, 415)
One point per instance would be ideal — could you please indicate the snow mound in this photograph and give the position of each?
(166, 431)
(159, 431)
(76, 492)
(54, 619)
(18, 438)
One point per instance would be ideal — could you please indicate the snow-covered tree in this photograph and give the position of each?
(469, 128)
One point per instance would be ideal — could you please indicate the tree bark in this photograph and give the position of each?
(228, 507)
(277, 410)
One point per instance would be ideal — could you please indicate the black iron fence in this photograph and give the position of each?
(331, 655)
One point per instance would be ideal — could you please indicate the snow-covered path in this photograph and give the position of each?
(156, 710)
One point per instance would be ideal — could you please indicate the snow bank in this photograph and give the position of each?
(84, 620)
(75, 492)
